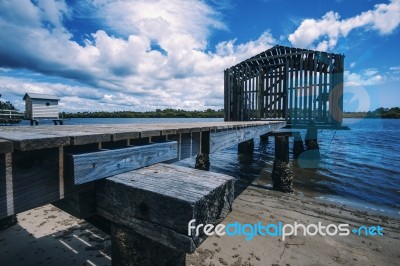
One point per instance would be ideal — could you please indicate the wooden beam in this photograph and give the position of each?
(97, 165)
(35, 178)
(159, 201)
(224, 139)
(6, 146)
(6, 186)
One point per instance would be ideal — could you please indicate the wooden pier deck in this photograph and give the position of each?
(112, 172)
(39, 165)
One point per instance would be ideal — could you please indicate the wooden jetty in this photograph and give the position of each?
(113, 171)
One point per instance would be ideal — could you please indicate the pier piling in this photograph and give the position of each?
(282, 176)
(311, 156)
(203, 162)
(246, 147)
(298, 146)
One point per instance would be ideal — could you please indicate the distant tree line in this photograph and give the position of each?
(6, 106)
(378, 113)
(166, 113)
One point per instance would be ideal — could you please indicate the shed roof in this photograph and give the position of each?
(40, 96)
(278, 55)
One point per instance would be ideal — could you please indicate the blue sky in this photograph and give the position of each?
(143, 55)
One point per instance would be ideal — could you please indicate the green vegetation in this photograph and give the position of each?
(170, 113)
(6, 106)
(9, 114)
(209, 113)
(378, 113)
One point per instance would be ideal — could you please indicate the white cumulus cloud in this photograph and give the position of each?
(323, 34)
(116, 66)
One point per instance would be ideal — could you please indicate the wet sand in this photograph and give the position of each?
(258, 204)
(49, 236)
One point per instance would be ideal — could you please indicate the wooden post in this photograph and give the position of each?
(282, 176)
(246, 147)
(298, 146)
(129, 248)
(7, 214)
(311, 156)
(282, 148)
(203, 158)
(312, 139)
(265, 138)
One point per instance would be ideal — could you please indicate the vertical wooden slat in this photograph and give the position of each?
(275, 92)
(320, 97)
(310, 86)
(286, 91)
(254, 105)
(301, 89)
(324, 91)
(260, 93)
(279, 93)
(9, 183)
(296, 89)
(61, 171)
(306, 86)
(270, 94)
(226, 95)
(290, 91)
(314, 114)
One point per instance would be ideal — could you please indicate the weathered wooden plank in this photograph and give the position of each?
(196, 143)
(6, 146)
(224, 139)
(80, 205)
(186, 145)
(32, 138)
(125, 135)
(26, 141)
(324, 103)
(97, 165)
(320, 99)
(131, 248)
(35, 178)
(284, 132)
(3, 187)
(159, 201)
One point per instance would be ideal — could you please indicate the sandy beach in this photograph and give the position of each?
(258, 204)
(49, 236)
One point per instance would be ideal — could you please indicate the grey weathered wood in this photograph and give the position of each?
(224, 139)
(80, 204)
(159, 201)
(3, 187)
(284, 132)
(287, 76)
(97, 165)
(6, 146)
(129, 248)
(35, 165)
(26, 141)
(35, 178)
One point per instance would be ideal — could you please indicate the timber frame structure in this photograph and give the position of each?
(296, 85)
